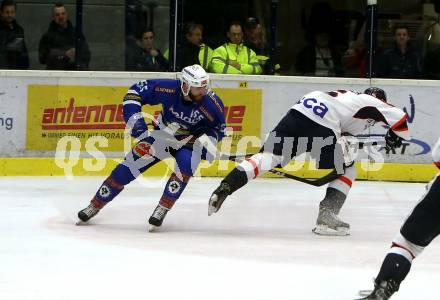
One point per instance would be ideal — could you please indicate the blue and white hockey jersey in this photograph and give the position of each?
(184, 117)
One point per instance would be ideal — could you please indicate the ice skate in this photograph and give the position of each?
(157, 217)
(382, 291)
(328, 223)
(218, 197)
(89, 212)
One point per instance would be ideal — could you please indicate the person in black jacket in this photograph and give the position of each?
(57, 45)
(402, 60)
(13, 52)
(144, 56)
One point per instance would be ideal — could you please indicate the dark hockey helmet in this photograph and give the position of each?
(376, 93)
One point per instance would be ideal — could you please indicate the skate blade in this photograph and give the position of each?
(365, 293)
(152, 228)
(81, 223)
(211, 208)
(325, 230)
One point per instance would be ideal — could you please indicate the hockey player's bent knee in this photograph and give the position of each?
(135, 163)
(423, 224)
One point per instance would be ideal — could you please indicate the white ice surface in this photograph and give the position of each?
(259, 246)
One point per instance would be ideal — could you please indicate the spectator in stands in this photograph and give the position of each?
(319, 58)
(401, 61)
(144, 56)
(194, 51)
(254, 38)
(13, 52)
(234, 57)
(57, 45)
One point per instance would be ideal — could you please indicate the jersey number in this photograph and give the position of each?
(317, 107)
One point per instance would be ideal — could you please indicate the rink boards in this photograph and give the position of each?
(38, 109)
(47, 166)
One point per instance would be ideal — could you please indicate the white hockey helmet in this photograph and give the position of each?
(195, 76)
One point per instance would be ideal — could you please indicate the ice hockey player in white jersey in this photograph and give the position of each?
(322, 120)
(416, 233)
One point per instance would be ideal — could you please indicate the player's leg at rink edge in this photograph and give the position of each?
(332, 156)
(186, 164)
(136, 162)
(418, 231)
(328, 222)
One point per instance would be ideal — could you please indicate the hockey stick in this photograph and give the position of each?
(315, 182)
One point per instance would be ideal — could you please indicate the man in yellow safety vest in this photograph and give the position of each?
(234, 57)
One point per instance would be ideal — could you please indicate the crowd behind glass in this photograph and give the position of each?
(401, 52)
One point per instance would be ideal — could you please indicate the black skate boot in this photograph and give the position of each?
(383, 290)
(218, 197)
(90, 211)
(157, 217)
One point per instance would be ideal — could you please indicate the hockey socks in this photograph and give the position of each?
(395, 267)
(393, 271)
(173, 189)
(397, 263)
(108, 190)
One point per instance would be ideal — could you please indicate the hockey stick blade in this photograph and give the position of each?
(315, 182)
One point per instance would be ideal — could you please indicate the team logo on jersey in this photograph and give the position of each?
(143, 149)
(318, 108)
(192, 119)
(104, 191)
(174, 187)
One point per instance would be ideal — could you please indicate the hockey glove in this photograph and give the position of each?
(138, 131)
(392, 140)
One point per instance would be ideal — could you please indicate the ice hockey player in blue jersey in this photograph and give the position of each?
(188, 128)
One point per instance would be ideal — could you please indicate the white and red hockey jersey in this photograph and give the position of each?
(347, 112)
